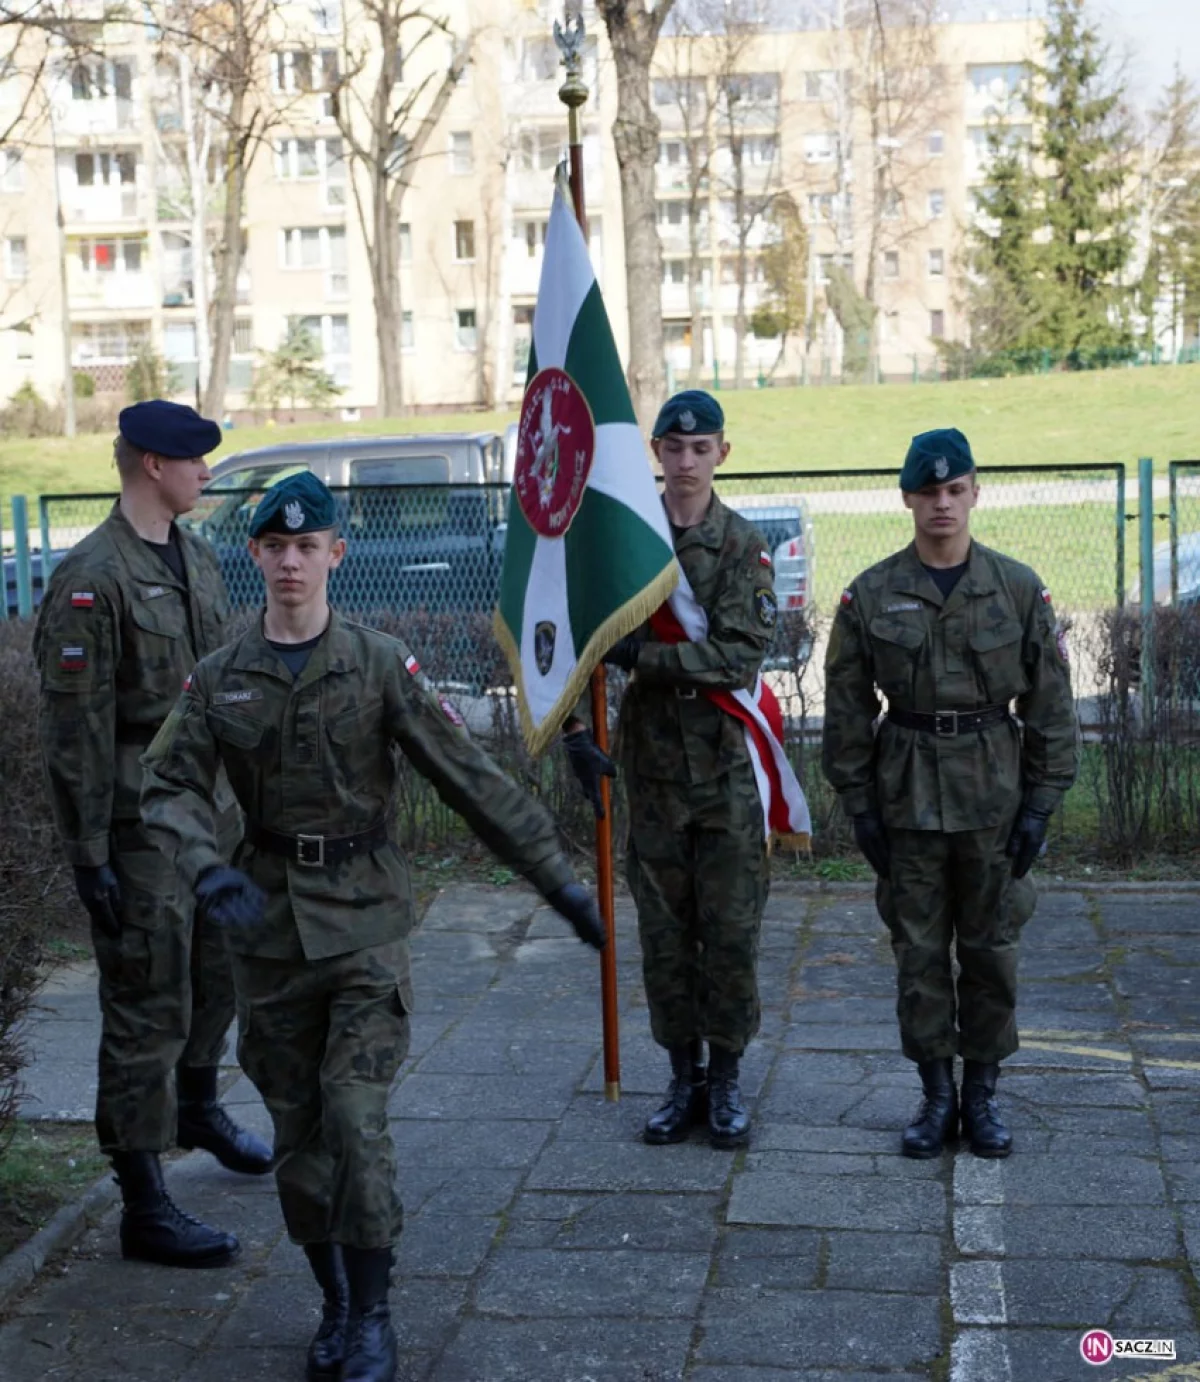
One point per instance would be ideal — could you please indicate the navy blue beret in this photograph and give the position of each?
(692, 412)
(296, 504)
(935, 457)
(172, 430)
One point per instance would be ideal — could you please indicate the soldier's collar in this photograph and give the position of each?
(145, 566)
(709, 532)
(334, 654)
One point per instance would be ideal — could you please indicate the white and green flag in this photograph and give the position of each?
(588, 555)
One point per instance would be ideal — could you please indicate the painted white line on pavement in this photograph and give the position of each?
(977, 1180)
(979, 1230)
(978, 1355)
(977, 1293)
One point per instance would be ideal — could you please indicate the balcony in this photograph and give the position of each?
(101, 116)
(93, 206)
(109, 290)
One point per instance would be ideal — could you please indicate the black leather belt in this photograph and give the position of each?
(947, 723)
(316, 851)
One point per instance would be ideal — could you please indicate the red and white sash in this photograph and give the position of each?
(785, 811)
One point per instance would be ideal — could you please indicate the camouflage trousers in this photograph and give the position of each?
(322, 1041)
(166, 994)
(697, 866)
(955, 888)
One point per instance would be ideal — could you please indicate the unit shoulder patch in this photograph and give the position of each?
(766, 606)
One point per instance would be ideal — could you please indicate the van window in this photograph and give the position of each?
(236, 493)
(401, 470)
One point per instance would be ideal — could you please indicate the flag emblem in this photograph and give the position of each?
(847, 597)
(82, 599)
(73, 658)
(764, 558)
(1045, 595)
(555, 445)
(543, 646)
(411, 665)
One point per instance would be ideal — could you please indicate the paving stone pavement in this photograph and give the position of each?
(546, 1243)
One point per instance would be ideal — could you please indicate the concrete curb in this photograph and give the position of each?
(20, 1268)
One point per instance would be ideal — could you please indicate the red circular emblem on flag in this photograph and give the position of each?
(556, 441)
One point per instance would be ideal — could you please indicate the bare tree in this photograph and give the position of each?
(387, 128)
(633, 29)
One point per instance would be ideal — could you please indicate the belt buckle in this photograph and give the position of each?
(310, 851)
(945, 723)
(685, 693)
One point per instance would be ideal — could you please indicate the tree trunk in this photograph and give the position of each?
(229, 261)
(198, 187)
(737, 150)
(633, 32)
(384, 257)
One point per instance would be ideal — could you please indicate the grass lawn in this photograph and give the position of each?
(1044, 420)
(42, 1168)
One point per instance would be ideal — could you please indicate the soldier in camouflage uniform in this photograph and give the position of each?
(305, 712)
(696, 859)
(950, 798)
(126, 615)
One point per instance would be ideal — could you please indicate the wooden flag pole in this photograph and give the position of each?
(573, 94)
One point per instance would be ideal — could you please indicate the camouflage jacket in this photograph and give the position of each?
(993, 641)
(315, 755)
(116, 636)
(667, 730)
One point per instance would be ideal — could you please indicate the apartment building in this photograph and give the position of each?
(104, 140)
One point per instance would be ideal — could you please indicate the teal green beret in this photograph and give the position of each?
(692, 412)
(935, 457)
(297, 504)
(171, 430)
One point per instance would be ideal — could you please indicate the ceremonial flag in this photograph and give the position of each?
(588, 556)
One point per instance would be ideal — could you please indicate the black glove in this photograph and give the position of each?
(589, 763)
(871, 837)
(624, 653)
(1027, 839)
(227, 897)
(579, 907)
(100, 893)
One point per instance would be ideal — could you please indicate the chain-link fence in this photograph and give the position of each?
(1178, 569)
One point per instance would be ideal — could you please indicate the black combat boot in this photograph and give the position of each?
(981, 1120)
(371, 1346)
(327, 1352)
(937, 1118)
(728, 1118)
(154, 1228)
(686, 1102)
(204, 1123)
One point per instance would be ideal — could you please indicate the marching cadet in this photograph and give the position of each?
(950, 799)
(127, 614)
(304, 712)
(696, 858)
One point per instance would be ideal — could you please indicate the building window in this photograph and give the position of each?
(936, 143)
(408, 336)
(108, 342)
(466, 336)
(539, 60)
(327, 16)
(333, 165)
(684, 93)
(24, 336)
(760, 150)
(891, 263)
(530, 236)
(820, 86)
(243, 336)
(405, 243)
(313, 247)
(891, 205)
(299, 69)
(106, 170)
(937, 204)
(462, 156)
(671, 213)
(540, 149)
(674, 270)
(99, 79)
(464, 241)
(16, 257)
(332, 334)
(12, 170)
(937, 324)
(820, 147)
(937, 263)
(110, 256)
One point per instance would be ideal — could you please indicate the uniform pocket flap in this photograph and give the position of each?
(162, 617)
(986, 640)
(238, 730)
(905, 635)
(352, 724)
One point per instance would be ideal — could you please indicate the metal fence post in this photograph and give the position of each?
(1173, 521)
(1121, 519)
(44, 525)
(20, 513)
(1146, 566)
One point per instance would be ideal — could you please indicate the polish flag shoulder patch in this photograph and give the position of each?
(764, 558)
(187, 682)
(411, 665)
(1045, 594)
(847, 597)
(82, 599)
(72, 658)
